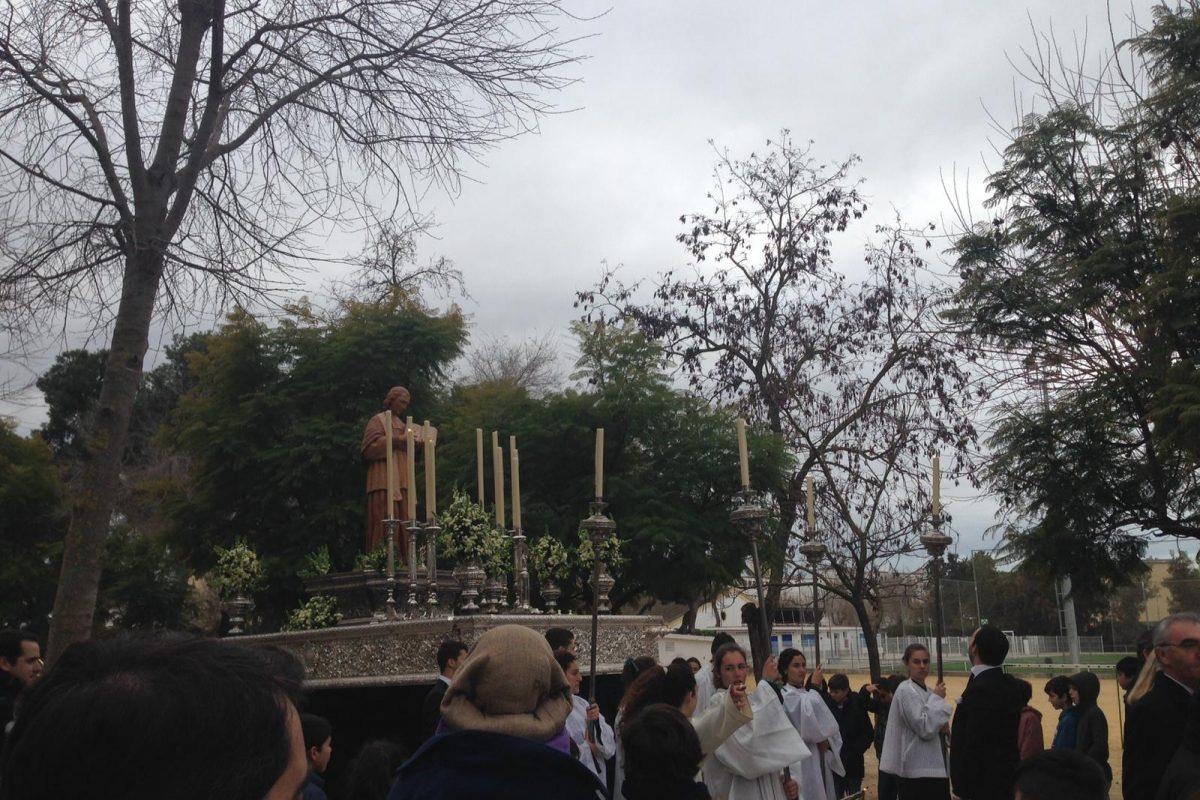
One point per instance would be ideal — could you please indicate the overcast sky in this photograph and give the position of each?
(907, 86)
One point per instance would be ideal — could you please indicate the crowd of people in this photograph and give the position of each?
(183, 717)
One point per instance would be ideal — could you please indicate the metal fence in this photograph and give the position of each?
(838, 653)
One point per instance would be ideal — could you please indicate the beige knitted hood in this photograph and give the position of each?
(510, 683)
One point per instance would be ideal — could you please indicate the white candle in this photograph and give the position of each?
(937, 485)
(515, 469)
(411, 472)
(479, 462)
(743, 453)
(498, 469)
(427, 453)
(599, 463)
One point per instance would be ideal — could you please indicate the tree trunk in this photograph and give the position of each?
(92, 498)
(868, 629)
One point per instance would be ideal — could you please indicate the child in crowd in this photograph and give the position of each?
(318, 747)
(1058, 691)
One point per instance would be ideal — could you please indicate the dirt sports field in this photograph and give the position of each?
(1109, 703)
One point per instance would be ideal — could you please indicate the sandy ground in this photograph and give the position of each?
(1109, 703)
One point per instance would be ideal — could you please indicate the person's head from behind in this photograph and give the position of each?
(373, 770)
(1024, 691)
(793, 667)
(694, 663)
(719, 641)
(888, 686)
(1060, 775)
(988, 645)
(662, 753)
(1058, 692)
(839, 688)
(561, 640)
(450, 655)
(20, 657)
(1145, 644)
(633, 669)
(510, 684)
(674, 685)
(730, 666)
(570, 668)
(168, 716)
(1177, 647)
(1127, 670)
(318, 741)
(916, 661)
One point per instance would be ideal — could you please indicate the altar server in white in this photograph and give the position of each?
(817, 727)
(594, 751)
(912, 749)
(757, 761)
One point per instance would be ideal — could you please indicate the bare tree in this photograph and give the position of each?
(388, 265)
(531, 364)
(174, 154)
(765, 320)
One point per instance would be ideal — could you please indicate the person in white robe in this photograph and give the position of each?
(817, 727)
(675, 685)
(912, 749)
(704, 676)
(758, 760)
(594, 751)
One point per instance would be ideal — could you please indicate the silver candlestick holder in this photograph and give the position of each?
(935, 543)
(392, 525)
(813, 551)
(521, 574)
(413, 603)
(431, 529)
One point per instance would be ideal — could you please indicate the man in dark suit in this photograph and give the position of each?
(450, 656)
(1155, 723)
(983, 737)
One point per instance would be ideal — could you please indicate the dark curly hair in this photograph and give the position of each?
(670, 685)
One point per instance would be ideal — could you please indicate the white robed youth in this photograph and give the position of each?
(749, 765)
(577, 729)
(815, 723)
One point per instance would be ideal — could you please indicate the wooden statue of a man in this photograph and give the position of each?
(374, 453)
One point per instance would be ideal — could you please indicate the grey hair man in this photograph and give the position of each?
(1155, 724)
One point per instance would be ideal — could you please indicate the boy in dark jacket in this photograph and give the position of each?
(1092, 733)
(1058, 691)
(857, 734)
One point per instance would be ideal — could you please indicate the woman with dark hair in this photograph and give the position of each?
(1030, 741)
(663, 756)
(373, 770)
(912, 749)
(752, 762)
(675, 686)
(817, 727)
(634, 667)
(1091, 737)
(585, 719)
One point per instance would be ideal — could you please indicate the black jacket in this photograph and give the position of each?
(431, 710)
(1181, 780)
(1091, 736)
(857, 733)
(473, 764)
(1153, 731)
(983, 737)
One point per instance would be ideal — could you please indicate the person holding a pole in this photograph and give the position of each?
(912, 750)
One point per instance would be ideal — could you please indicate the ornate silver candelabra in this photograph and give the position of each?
(599, 527)
(432, 529)
(413, 603)
(390, 604)
(813, 551)
(935, 543)
(749, 515)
